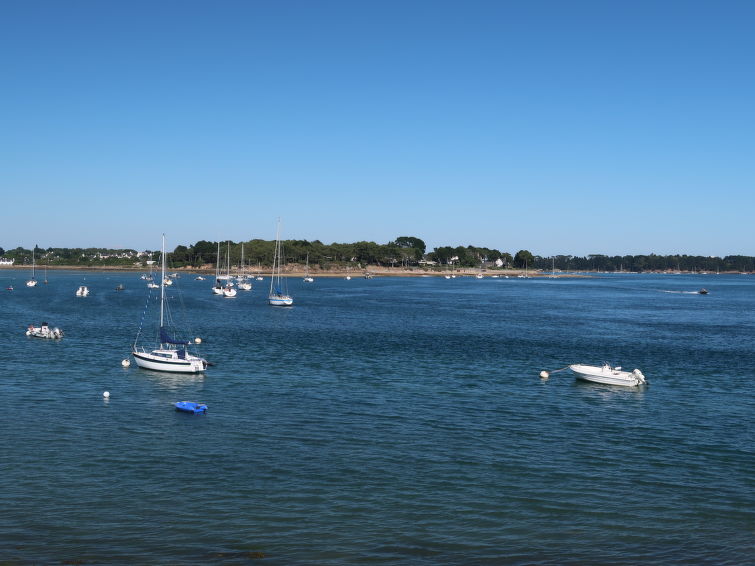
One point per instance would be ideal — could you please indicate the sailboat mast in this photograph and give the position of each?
(162, 284)
(276, 260)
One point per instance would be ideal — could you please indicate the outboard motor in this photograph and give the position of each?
(640, 377)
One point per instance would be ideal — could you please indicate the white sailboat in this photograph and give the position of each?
(150, 277)
(229, 291)
(218, 287)
(171, 353)
(278, 296)
(243, 281)
(307, 277)
(33, 281)
(82, 291)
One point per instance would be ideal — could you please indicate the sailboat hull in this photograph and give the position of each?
(280, 301)
(158, 362)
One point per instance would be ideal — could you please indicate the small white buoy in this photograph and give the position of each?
(544, 374)
(106, 394)
(125, 363)
(197, 340)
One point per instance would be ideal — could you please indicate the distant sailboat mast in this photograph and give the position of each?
(162, 287)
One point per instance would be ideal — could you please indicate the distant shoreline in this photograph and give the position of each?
(300, 271)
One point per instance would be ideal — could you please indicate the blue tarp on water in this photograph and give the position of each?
(165, 339)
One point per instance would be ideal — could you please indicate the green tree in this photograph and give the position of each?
(523, 258)
(410, 242)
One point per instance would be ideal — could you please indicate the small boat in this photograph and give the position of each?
(9, 288)
(244, 285)
(199, 278)
(609, 375)
(191, 407)
(703, 291)
(119, 287)
(82, 291)
(152, 285)
(44, 331)
(229, 292)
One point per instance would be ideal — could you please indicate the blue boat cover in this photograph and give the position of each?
(165, 339)
(191, 407)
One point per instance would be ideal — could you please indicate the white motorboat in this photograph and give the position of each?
(82, 291)
(44, 331)
(278, 296)
(171, 354)
(229, 292)
(244, 285)
(609, 375)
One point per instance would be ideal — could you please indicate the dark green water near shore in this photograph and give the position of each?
(384, 421)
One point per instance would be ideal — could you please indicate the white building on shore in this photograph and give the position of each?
(6, 262)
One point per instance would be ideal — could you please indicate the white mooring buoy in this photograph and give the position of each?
(106, 394)
(197, 340)
(544, 374)
(125, 363)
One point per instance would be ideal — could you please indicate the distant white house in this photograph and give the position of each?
(499, 262)
(4, 261)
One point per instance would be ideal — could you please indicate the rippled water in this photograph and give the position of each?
(384, 421)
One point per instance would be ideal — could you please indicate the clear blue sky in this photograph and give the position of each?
(559, 127)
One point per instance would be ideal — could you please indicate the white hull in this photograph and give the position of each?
(158, 360)
(82, 292)
(280, 301)
(44, 332)
(229, 293)
(608, 375)
(31, 283)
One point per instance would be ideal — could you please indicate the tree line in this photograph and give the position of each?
(406, 251)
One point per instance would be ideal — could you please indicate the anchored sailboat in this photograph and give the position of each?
(172, 354)
(307, 277)
(278, 296)
(33, 281)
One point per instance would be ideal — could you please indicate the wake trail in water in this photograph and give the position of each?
(678, 292)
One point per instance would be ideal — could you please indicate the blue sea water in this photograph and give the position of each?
(383, 421)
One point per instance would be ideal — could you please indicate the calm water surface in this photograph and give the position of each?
(383, 421)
